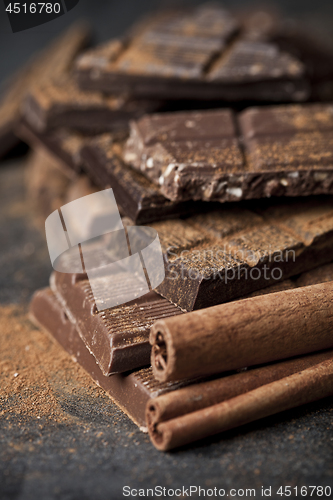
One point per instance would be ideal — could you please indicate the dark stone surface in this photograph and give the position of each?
(101, 450)
(24, 260)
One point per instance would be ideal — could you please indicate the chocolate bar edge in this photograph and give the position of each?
(44, 309)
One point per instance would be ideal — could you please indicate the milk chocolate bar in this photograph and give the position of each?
(130, 391)
(60, 103)
(53, 62)
(117, 337)
(194, 54)
(138, 198)
(218, 256)
(218, 155)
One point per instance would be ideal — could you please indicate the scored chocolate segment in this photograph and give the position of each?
(286, 120)
(61, 103)
(117, 337)
(53, 62)
(180, 46)
(130, 391)
(193, 55)
(254, 61)
(219, 156)
(187, 154)
(182, 126)
(295, 140)
(216, 257)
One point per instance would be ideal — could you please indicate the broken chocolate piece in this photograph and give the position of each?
(218, 256)
(138, 198)
(200, 155)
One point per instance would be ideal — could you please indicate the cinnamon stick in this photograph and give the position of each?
(201, 395)
(300, 388)
(244, 333)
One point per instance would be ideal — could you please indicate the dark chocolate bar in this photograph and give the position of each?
(60, 103)
(218, 256)
(217, 155)
(131, 391)
(138, 198)
(195, 54)
(53, 62)
(117, 337)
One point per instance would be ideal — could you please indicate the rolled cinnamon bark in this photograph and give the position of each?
(243, 333)
(300, 388)
(201, 395)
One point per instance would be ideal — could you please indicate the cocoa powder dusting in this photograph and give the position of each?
(35, 373)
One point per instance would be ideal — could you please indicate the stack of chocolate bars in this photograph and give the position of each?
(216, 130)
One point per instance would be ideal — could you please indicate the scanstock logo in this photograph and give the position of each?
(27, 14)
(87, 237)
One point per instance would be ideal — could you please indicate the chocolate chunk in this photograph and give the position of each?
(216, 257)
(138, 198)
(286, 120)
(60, 103)
(295, 143)
(53, 62)
(130, 391)
(194, 55)
(280, 150)
(117, 337)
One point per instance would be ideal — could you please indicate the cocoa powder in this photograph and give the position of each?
(34, 371)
